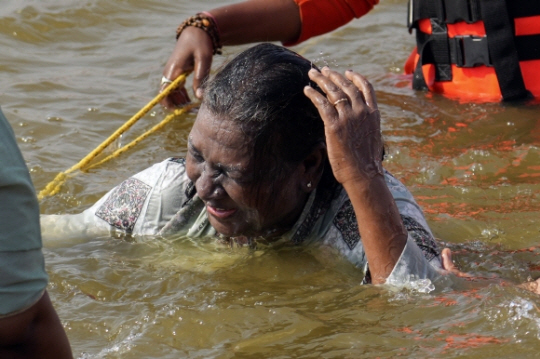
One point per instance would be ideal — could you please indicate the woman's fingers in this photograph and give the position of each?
(176, 65)
(365, 88)
(449, 266)
(326, 109)
(344, 93)
(193, 52)
(176, 98)
(531, 286)
(352, 126)
(336, 99)
(203, 63)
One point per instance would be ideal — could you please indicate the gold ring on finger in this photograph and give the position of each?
(340, 100)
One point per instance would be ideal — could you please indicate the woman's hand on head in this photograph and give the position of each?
(352, 124)
(354, 144)
(193, 52)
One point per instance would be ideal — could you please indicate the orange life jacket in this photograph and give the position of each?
(476, 50)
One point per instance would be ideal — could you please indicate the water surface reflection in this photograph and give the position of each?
(74, 71)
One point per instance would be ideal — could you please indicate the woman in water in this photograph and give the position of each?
(278, 150)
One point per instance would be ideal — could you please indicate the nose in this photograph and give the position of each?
(208, 185)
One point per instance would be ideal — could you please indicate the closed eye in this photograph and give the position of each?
(239, 176)
(194, 152)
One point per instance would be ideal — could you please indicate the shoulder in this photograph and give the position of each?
(143, 202)
(166, 176)
(167, 170)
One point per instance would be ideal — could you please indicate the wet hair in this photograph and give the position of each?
(262, 90)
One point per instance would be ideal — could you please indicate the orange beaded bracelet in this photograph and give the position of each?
(206, 23)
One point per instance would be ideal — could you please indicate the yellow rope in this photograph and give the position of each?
(157, 127)
(54, 186)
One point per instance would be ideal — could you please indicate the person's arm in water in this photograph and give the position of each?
(288, 21)
(352, 125)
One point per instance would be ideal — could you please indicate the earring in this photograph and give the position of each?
(309, 184)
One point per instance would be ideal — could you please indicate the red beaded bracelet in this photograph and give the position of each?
(206, 23)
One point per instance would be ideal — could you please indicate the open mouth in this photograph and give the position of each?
(220, 213)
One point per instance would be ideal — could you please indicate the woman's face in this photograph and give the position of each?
(219, 162)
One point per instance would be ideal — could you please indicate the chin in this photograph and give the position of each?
(232, 230)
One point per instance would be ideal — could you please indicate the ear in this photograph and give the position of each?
(313, 166)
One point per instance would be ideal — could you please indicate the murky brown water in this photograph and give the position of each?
(73, 71)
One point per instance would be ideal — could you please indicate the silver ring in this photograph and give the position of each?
(165, 80)
(340, 100)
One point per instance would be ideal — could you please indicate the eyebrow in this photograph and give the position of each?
(238, 169)
(229, 169)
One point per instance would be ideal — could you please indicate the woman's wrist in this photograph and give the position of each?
(359, 175)
(206, 22)
(364, 184)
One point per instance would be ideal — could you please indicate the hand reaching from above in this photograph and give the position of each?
(193, 52)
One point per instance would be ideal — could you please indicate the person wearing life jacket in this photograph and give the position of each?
(476, 49)
(472, 50)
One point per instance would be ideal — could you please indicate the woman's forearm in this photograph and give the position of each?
(380, 225)
(258, 20)
(353, 138)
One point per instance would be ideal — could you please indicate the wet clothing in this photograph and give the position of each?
(457, 53)
(161, 200)
(22, 271)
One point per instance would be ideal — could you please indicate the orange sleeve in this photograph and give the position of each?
(322, 16)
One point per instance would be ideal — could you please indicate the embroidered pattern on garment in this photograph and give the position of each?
(124, 205)
(345, 221)
(422, 238)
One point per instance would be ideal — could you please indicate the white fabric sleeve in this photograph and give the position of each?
(140, 205)
(413, 270)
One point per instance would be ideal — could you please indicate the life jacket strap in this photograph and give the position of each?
(433, 49)
(447, 11)
(452, 11)
(500, 48)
